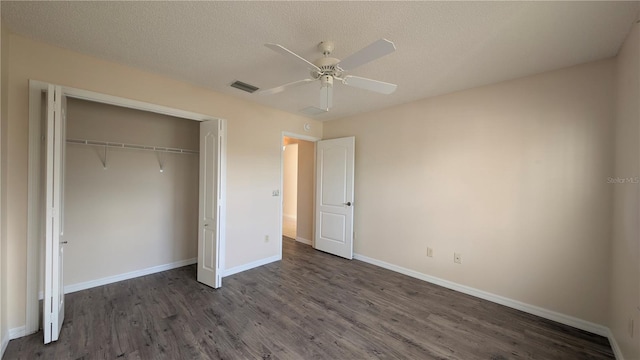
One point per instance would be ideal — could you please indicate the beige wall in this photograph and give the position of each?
(253, 145)
(290, 181)
(4, 64)
(512, 176)
(306, 189)
(625, 279)
(129, 216)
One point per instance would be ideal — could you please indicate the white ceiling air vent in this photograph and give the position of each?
(244, 86)
(312, 111)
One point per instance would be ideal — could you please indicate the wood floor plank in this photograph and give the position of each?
(310, 305)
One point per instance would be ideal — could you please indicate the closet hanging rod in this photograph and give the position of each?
(130, 146)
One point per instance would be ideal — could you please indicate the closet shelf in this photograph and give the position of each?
(130, 146)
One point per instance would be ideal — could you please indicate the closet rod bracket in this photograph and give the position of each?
(104, 158)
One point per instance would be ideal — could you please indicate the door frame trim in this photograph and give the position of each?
(314, 140)
(34, 218)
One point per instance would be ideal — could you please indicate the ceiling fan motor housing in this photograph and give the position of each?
(328, 67)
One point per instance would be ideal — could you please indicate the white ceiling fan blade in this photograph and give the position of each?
(288, 53)
(375, 50)
(369, 84)
(326, 97)
(284, 87)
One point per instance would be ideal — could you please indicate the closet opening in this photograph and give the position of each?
(130, 193)
(118, 189)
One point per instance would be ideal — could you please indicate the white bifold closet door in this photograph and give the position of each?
(211, 214)
(211, 223)
(53, 304)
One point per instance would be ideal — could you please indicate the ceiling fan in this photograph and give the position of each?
(327, 69)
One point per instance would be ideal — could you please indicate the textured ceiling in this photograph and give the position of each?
(441, 46)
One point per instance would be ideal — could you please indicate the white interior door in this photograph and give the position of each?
(211, 213)
(53, 304)
(334, 196)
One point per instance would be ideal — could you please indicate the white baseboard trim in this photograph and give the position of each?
(290, 217)
(17, 332)
(251, 265)
(303, 240)
(126, 276)
(617, 352)
(531, 309)
(4, 343)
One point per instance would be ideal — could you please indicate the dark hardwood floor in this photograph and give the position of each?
(311, 305)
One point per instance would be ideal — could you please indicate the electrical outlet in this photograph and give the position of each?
(429, 252)
(457, 258)
(266, 238)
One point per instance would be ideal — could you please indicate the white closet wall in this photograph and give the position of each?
(130, 216)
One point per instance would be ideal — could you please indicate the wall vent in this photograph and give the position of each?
(244, 86)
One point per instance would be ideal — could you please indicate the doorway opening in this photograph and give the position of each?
(324, 201)
(290, 189)
(298, 188)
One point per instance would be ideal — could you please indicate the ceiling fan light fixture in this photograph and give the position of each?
(326, 81)
(326, 97)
